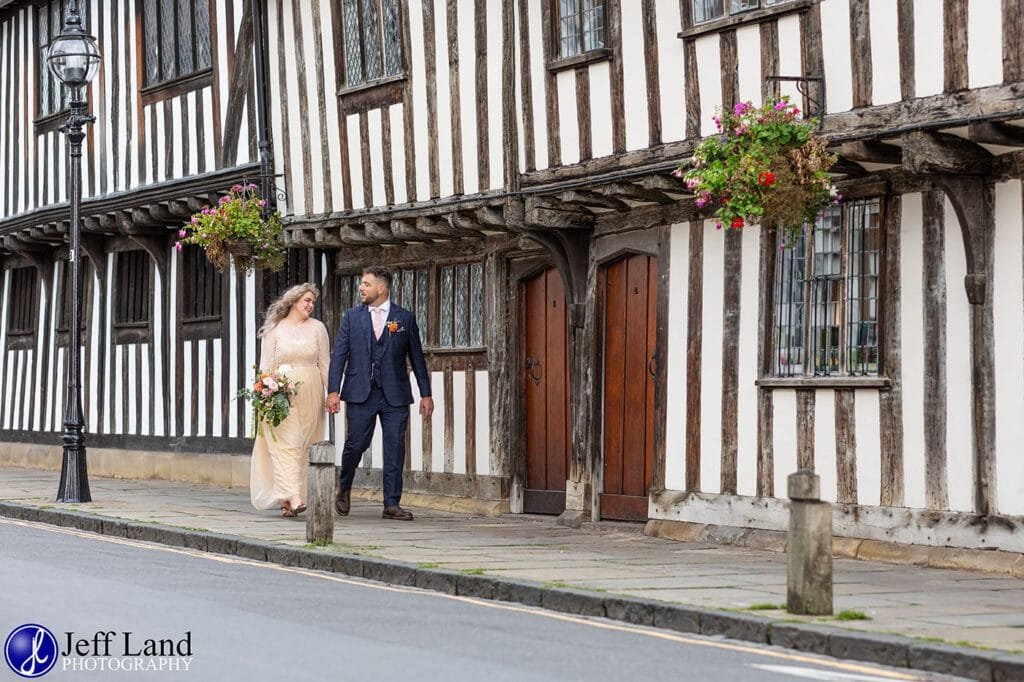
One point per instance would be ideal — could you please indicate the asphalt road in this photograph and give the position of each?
(256, 621)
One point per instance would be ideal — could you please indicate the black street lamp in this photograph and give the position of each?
(74, 59)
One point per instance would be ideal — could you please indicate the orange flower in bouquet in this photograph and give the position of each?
(271, 397)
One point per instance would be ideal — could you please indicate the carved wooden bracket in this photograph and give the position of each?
(928, 152)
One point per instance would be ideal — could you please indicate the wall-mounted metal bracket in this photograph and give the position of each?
(814, 105)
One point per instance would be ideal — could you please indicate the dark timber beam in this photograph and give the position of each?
(591, 200)
(845, 166)
(944, 153)
(380, 232)
(635, 192)
(973, 199)
(996, 132)
(871, 151)
(543, 215)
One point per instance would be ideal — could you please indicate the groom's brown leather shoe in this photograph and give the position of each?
(396, 513)
(343, 502)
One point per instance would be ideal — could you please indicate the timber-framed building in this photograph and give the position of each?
(597, 348)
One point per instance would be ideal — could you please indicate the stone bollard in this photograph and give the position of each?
(320, 494)
(809, 546)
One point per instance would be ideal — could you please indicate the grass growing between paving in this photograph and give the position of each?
(851, 614)
(766, 607)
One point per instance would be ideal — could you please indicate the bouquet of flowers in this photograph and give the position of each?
(766, 165)
(271, 397)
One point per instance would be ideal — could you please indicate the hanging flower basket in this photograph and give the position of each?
(766, 165)
(236, 229)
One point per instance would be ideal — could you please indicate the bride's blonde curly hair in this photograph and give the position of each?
(279, 309)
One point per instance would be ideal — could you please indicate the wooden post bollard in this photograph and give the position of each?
(809, 547)
(320, 494)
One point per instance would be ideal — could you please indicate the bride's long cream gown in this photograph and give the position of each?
(279, 461)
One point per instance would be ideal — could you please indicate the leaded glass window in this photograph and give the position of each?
(176, 39)
(408, 289)
(709, 10)
(827, 294)
(581, 26)
(371, 35)
(52, 98)
(461, 306)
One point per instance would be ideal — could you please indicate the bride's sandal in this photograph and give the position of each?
(286, 510)
(301, 508)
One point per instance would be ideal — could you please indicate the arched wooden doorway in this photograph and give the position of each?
(630, 292)
(544, 368)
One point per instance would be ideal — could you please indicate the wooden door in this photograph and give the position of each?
(630, 295)
(544, 368)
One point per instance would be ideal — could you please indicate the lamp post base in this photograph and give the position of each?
(74, 480)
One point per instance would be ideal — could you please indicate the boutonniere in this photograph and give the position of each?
(393, 327)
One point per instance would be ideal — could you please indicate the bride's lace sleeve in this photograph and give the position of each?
(268, 352)
(323, 348)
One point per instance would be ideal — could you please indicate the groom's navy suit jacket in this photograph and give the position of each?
(355, 348)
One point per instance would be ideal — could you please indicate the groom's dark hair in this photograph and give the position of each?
(380, 273)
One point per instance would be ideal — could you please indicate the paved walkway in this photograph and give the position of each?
(956, 607)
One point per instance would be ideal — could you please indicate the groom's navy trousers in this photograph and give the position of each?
(393, 422)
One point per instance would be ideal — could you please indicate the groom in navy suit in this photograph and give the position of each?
(370, 351)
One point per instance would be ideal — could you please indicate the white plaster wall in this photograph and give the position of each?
(790, 61)
(869, 447)
(601, 110)
(634, 86)
(670, 71)
(748, 57)
(835, 23)
(711, 362)
(468, 96)
(483, 424)
(749, 340)
(984, 40)
(1008, 301)
(885, 52)
(567, 116)
(419, 99)
(537, 75)
(675, 373)
(912, 348)
(928, 47)
(784, 429)
(374, 126)
(709, 75)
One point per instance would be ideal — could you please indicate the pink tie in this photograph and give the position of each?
(378, 321)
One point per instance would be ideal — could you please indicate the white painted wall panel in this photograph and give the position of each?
(670, 71)
(711, 362)
(396, 120)
(5, 365)
(331, 126)
(984, 38)
(192, 162)
(565, 82)
(709, 75)
(444, 101)
(190, 391)
(468, 97)
(459, 422)
(156, 394)
(675, 357)
(297, 200)
(601, 110)
(634, 88)
(276, 115)
(108, 356)
(177, 165)
(251, 341)
(131, 393)
(231, 428)
(219, 399)
(928, 50)
(374, 125)
(885, 53)
(912, 348)
(537, 76)
(419, 98)
(483, 424)
(835, 20)
(315, 174)
(494, 86)
(415, 453)
(869, 447)
(960, 468)
(746, 457)
(790, 61)
(437, 423)
(825, 442)
(376, 448)
(92, 417)
(119, 390)
(748, 57)
(1008, 333)
(211, 148)
(355, 165)
(784, 429)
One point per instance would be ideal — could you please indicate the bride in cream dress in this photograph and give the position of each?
(290, 336)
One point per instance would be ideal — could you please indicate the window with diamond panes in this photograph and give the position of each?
(23, 302)
(827, 295)
(581, 26)
(371, 37)
(52, 97)
(176, 39)
(709, 10)
(461, 306)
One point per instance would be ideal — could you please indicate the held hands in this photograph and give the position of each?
(426, 406)
(333, 403)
